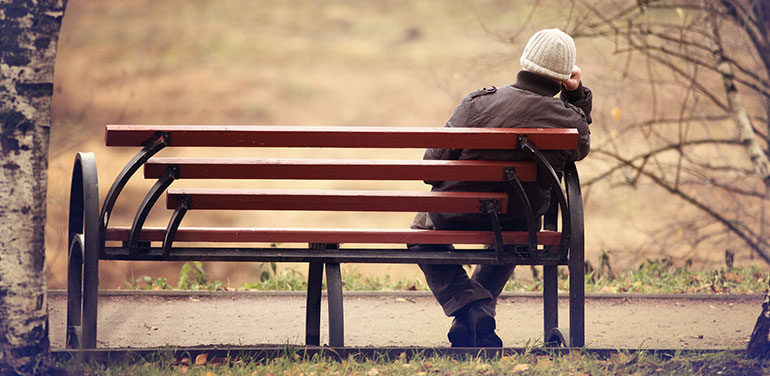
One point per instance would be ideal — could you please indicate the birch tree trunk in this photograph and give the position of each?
(28, 36)
(748, 137)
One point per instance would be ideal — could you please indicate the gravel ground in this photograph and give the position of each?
(150, 319)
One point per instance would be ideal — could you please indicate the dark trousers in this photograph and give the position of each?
(451, 285)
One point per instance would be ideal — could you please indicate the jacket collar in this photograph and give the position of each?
(537, 84)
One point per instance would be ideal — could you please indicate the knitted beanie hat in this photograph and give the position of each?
(551, 53)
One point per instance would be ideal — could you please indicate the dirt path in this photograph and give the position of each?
(404, 319)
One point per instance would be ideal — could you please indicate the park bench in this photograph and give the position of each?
(93, 239)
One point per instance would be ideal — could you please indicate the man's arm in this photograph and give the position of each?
(460, 118)
(576, 94)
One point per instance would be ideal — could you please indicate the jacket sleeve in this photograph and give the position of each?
(581, 98)
(460, 118)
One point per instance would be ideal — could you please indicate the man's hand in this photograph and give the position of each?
(573, 82)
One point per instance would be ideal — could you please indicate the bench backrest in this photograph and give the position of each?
(166, 170)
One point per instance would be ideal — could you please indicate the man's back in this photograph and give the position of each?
(528, 103)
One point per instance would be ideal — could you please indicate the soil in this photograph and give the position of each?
(139, 319)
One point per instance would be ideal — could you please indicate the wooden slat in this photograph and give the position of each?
(390, 255)
(333, 236)
(353, 200)
(341, 137)
(338, 169)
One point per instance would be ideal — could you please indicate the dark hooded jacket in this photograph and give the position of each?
(528, 103)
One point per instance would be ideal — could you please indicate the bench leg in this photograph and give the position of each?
(576, 258)
(334, 295)
(577, 299)
(313, 318)
(550, 299)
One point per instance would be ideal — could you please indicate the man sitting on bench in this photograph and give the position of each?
(548, 64)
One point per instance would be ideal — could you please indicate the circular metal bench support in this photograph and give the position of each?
(84, 238)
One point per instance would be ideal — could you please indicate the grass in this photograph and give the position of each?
(653, 276)
(661, 276)
(527, 363)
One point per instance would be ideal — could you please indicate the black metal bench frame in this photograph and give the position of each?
(88, 224)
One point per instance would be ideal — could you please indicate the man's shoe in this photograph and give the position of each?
(491, 339)
(459, 333)
(481, 322)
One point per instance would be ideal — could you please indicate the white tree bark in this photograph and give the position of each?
(737, 110)
(750, 140)
(28, 37)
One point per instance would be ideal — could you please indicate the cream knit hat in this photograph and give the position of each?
(551, 53)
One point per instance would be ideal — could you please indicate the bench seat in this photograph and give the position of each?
(330, 236)
(334, 237)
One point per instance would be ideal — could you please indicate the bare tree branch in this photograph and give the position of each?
(758, 244)
(646, 156)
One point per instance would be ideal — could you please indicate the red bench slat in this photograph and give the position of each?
(341, 137)
(243, 168)
(352, 200)
(332, 236)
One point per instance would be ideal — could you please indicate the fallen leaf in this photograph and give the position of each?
(217, 361)
(201, 359)
(609, 289)
(373, 372)
(544, 362)
(520, 368)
